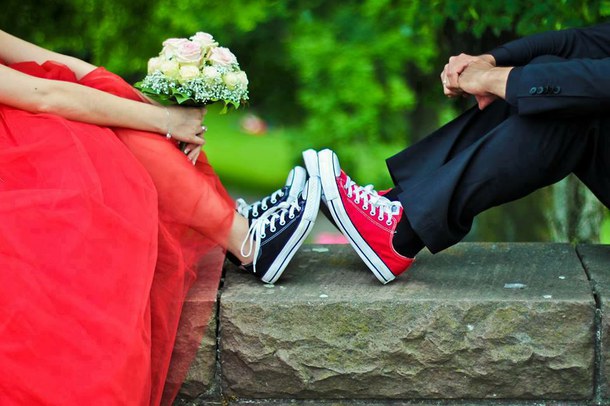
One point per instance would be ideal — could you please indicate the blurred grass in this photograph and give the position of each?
(260, 163)
(255, 163)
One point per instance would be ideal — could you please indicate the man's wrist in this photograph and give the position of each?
(495, 81)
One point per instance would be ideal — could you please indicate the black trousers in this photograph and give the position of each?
(485, 158)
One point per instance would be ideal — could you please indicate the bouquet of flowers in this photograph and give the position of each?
(195, 72)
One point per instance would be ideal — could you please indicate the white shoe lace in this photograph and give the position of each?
(243, 208)
(381, 206)
(258, 228)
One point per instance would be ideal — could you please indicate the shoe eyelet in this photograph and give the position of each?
(273, 201)
(263, 235)
(291, 216)
(282, 223)
(255, 213)
(272, 229)
(372, 212)
(388, 223)
(365, 207)
(264, 207)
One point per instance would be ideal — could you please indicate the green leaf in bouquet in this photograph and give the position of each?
(159, 98)
(227, 104)
(181, 98)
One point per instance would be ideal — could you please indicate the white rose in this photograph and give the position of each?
(222, 56)
(210, 74)
(170, 69)
(188, 72)
(154, 64)
(171, 46)
(231, 79)
(205, 40)
(242, 79)
(188, 52)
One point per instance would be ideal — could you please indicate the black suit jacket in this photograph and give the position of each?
(559, 71)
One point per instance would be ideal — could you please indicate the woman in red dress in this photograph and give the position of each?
(104, 227)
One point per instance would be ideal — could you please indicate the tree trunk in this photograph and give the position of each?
(576, 215)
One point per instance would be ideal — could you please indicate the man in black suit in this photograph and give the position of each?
(543, 112)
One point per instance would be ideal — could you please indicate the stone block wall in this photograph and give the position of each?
(478, 321)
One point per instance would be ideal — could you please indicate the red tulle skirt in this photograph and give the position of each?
(103, 232)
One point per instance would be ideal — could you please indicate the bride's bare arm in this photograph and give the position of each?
(82, 103)
(13, 49)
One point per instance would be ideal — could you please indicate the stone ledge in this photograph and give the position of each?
(369, 402)
(479, 321)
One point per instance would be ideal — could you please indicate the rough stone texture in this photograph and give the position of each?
(369, 402)
(200, 307)
(453, 327)
(596, 260)
(201, 378)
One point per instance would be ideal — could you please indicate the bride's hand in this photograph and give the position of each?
(192, 151)
(185, 124)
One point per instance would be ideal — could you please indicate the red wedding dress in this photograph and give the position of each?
(102, 233)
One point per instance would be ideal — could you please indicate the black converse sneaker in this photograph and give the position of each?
(290, 191)
(310, 158)
(276, 235)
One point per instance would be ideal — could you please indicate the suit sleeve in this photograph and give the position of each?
(576, 86)
(591, 42)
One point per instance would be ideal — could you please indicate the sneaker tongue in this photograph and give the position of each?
(290, 178)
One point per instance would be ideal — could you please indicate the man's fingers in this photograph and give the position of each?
(484, 101)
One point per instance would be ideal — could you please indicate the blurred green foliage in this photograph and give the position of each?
(360, 76)
(351, 74)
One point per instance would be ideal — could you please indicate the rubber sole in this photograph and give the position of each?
(310, 158)
(328, 165)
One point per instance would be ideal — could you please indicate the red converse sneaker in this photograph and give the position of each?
(365, 217)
